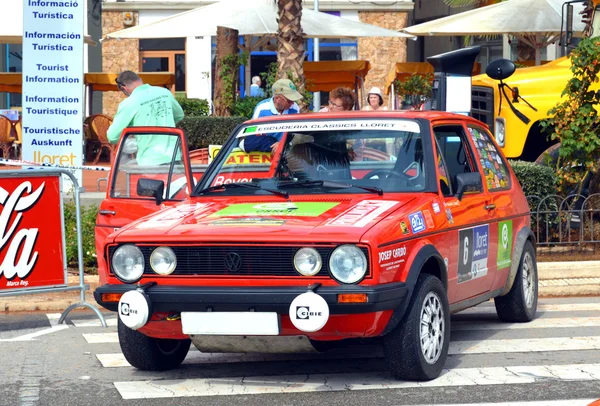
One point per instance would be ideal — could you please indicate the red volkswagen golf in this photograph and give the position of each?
(307, 230)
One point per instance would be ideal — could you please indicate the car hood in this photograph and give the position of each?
(341, 219)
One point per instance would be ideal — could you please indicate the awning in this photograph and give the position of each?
(325, 76)
(403, 70)
(101, 81)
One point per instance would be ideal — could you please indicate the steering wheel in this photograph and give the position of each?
(389, 173)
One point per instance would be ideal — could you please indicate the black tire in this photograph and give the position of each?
(520, 303)
(151, 354)
(403, 347)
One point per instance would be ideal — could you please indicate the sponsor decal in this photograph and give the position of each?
(428, 219)
(392, 259)
(309, 312)
(361, 214)
(327, 125)
(417, 222)
(300, 209)
(473, 253)
(133, 309)
(504, 244)
(436, 207)
(404, 228)
(248, 222)
(31, 233)
(449, 216)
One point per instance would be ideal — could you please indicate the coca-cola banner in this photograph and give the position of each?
(31, 232)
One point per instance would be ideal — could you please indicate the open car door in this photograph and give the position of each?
(151, 171)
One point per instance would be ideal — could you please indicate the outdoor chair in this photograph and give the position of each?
(18, 134)
(98, 125)
(6, 136)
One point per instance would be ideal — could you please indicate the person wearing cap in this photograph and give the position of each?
(283, 101)
(375, 100)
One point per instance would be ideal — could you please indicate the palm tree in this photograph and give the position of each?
(290, 43)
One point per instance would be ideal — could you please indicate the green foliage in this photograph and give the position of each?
(271, 77)
(88, 224)
(536, 180)
(415, 89)
(574, 121)
(229, 73)
(194, 107)
(205, 131)
(245, 107)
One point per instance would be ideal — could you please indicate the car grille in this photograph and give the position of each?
(482, 105)
(253, 260)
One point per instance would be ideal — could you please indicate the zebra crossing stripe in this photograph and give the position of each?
(545, 307)
(459, 325)
(355, 381)
(564, 402)
(110, 322)
(101, 338)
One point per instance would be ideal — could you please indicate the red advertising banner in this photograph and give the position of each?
(31, 232)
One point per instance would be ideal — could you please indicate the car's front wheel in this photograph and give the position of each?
(418, 347)
(151, 354)
(520, 303)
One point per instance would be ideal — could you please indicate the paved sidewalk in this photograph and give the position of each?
(556, 279)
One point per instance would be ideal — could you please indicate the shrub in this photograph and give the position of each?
(536, 180)
(88, 223)
(194, 107)
(205, 131)
(245, 107)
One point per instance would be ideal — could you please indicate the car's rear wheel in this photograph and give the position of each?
(151, 354)
(520, 303)
(418, 347)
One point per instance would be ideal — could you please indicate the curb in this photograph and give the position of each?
(568, 270)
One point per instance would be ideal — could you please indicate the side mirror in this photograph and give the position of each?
(500, 69)
(151, 188)
(468, 182)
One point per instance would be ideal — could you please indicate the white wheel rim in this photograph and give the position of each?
(528, 280)
(432, 328)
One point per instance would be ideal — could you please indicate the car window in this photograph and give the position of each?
(322, 156)
(155, 156)
(494, 167)
(454, 149)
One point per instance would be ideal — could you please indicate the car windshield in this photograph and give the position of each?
(320, 156)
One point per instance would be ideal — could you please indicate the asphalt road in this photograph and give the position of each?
(554, 360)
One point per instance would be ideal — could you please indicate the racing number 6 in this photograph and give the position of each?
(466, 251)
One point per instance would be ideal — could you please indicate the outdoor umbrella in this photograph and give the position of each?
(536, 22)
(11, 24)
(254, 17)
(251, 18)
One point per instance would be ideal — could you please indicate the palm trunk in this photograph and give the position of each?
(225, 73)
(290, 48)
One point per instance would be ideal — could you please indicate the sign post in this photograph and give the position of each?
(32, 238)
(53, 87)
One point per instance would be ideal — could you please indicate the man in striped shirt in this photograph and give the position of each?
(283, 101)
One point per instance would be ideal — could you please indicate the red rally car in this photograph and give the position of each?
(306, 230)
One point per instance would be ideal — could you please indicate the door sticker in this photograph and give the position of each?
(504, 244)
(473, 253)
(417, 222)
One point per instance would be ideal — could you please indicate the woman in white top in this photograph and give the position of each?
(375, 100)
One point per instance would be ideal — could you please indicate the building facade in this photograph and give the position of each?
(192, 58)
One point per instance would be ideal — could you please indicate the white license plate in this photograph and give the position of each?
(230, 323)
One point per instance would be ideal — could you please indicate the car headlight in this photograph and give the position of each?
(307, 261)
(163, 261)
(500, 131)
(128, 263)
(348, 264)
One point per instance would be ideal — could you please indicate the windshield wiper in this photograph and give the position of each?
(326, 183)
(243, 185)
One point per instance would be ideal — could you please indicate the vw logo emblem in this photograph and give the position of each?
(233, 261)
